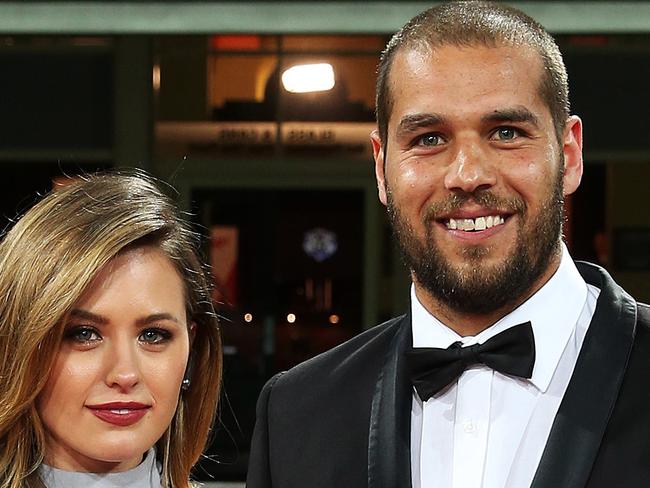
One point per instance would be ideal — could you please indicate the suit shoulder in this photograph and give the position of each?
(642, 331)
(361, 351)
(643, 315)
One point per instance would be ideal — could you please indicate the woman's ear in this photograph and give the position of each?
(192, 334)
(189, 368)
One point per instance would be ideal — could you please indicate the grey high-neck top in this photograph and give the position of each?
(145, 475)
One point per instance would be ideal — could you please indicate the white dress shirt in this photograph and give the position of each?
(488, 430)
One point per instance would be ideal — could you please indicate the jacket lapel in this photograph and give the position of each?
(583, 415)
(389, 453)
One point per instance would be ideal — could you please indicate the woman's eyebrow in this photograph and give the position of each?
(86, 315)
(157, 317)
(99, 319)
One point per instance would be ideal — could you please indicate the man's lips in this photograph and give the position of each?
(469, 224)
(473, 226)
(119, 413)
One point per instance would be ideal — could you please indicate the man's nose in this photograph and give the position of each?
(123, 368)
(470, 168)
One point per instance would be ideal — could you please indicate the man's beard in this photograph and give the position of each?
(469, 287)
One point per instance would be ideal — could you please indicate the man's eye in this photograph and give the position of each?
(429, 140)
(506, 134)
(83, 335)
(154, 336)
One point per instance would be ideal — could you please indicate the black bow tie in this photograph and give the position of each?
(510, 352)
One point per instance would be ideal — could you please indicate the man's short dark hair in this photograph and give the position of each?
(477, 23)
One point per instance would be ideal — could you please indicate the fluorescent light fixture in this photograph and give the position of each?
(306, 78)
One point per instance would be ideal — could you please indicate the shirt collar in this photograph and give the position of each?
(146, 474)
(553, 312)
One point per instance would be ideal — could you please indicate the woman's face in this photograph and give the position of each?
(116, 379)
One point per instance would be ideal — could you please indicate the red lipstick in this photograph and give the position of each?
(119, 413)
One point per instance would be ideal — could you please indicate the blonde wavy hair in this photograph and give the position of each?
(47, 260)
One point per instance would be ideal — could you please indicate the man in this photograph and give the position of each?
(514, 367)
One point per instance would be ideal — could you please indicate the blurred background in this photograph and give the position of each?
(258, 113)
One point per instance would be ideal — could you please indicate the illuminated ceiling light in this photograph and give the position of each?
(248, 317)
(291, 318)
(156, 77)
(334, 319)
(307, 78)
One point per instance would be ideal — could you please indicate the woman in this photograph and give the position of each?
(110, 349)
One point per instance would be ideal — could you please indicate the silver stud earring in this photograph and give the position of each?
(185, 384)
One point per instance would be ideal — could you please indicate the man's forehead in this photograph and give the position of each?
(425, 57)
(452, 66)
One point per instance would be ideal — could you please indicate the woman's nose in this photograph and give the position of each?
(123, 366)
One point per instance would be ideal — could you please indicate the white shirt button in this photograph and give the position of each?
(469, 426)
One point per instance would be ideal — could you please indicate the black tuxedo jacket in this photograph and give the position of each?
(342, 419)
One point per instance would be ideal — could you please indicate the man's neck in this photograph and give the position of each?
(471, 324)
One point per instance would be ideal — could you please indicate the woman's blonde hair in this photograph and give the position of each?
(47, 260)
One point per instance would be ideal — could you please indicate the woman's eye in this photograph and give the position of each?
(154, 336)
(506, 134)
(429, 140)
(83, 335)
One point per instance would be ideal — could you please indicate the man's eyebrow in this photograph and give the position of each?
(515, 114)
(411, 123)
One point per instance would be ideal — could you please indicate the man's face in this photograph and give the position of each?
(473, 175)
